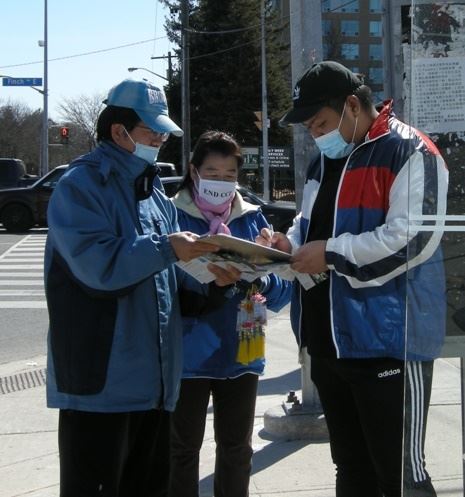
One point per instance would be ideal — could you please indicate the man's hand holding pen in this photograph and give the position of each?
(309, 258)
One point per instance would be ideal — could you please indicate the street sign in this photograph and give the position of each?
(22, 81)
(278, 157)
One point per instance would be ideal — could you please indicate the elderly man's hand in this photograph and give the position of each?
(225, 276)
(187, 246)
(310, 258)
(276, 240)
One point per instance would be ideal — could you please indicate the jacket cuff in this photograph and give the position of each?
(165, 247)
(330, 253)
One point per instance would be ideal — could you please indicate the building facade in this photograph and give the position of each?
(353, 35)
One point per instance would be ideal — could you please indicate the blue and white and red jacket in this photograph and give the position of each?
(387, 287)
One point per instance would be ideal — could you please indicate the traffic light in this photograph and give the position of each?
(64, 135)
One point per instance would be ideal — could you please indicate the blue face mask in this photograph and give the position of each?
(144, 152)
(333, 145)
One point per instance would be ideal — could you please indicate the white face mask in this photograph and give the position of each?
(144, 152)
(216, 192)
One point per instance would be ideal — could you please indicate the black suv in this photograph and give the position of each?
(13, 173)
(23, 208)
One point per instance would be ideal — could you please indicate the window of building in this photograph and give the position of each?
(350, 51)
(339, 6)
(376, 6)
(325, 50)
(376, 75)
(376, 52)
(349, 28)
(327, 25)
(378, 97)
(376, 28)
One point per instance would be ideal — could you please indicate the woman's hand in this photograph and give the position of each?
(276, 240)
(225, 276)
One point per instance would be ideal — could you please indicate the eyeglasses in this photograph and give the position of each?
(158, 136)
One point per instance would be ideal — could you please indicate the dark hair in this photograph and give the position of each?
(363, 93)
(115, 115)
(212, 142)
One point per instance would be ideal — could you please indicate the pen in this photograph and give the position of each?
(270, 228)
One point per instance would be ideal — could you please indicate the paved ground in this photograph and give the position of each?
(29, 457)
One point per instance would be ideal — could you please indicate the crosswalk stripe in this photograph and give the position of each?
(23, 260)
(23, 304)
(8, 260)
(21, 275)
(21, 266)
(21, 293)
(21, 283)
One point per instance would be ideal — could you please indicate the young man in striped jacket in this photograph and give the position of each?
(371, 222)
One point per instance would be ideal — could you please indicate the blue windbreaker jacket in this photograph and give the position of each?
(387, 287)
(114, 341)
(210, 341)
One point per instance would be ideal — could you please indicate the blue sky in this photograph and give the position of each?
(77, 27)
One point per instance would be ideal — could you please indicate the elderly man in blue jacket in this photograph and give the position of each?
(114, 344)
(370, 227)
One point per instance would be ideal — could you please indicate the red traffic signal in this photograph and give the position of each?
(64, 134)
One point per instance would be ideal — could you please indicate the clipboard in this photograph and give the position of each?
(249, 251)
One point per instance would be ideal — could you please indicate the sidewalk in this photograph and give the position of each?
(28, 432)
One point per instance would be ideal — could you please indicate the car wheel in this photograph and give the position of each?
(17, 218)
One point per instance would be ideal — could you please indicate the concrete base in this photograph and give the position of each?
(300, 425)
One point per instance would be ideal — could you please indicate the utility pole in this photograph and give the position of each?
(44, 158)
(170, 68)
(169, 73)
(266, 162)
(186, 139)
(304, 420)
(306, 48)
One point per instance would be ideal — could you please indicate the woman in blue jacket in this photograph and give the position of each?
(208, 202)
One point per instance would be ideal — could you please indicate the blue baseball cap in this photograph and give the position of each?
(148, 101)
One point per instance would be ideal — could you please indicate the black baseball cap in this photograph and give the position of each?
(318, 84)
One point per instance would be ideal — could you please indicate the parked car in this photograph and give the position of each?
(13, 173)
(167, 169)
(278, 213)
(23, 208)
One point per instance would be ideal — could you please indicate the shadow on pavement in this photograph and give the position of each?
(267, 456)
(280, 384)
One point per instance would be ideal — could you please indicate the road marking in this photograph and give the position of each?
(22, 260)
(8, 260)
(19, 275)
(21, 283)
(21, 266)
(21, 293)
(23, 304)
(32, 250)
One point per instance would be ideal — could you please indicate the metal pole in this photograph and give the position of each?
(170, 68)
(44, 162)
(389, 72)
(306, 48)
(266, 162)
(186, 140)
